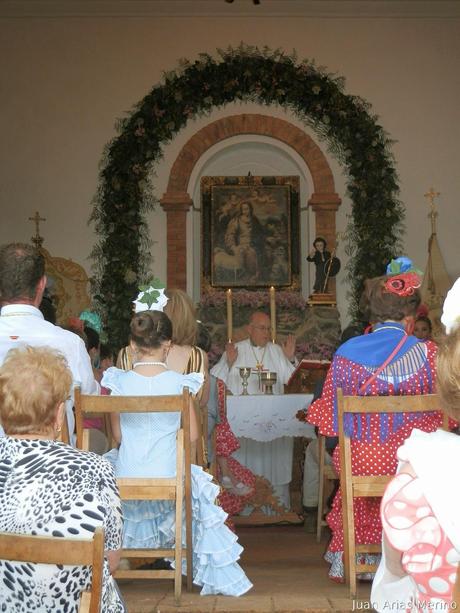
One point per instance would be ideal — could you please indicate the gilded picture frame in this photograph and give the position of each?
(250, 232)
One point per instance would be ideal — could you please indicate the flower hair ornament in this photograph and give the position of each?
(76, 323)
(403, 277)
(151, 297)
(91, 320)
(451, 309)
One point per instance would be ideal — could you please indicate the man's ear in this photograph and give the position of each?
(41, 285)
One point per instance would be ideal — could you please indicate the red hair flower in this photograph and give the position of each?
(403, 285)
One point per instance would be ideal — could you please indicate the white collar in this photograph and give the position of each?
(257, 346)
(10, 310)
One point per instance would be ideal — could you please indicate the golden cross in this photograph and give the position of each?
(431, 195)
(37, 239)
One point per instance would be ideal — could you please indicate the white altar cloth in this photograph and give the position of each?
(264, 418)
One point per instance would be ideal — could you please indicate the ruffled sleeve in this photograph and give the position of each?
(433, 456)
(110, 380)
(193, 381)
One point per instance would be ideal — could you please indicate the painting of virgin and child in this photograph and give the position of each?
(250, 235)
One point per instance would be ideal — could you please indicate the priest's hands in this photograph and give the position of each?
(232, 353)
(288, 347)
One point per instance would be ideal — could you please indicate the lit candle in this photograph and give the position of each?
(229, 316)
(273, 313)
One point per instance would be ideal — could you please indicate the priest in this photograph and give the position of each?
(272, 460)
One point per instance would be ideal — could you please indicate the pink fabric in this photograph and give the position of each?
(412, 528)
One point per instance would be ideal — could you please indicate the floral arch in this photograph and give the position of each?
(266, 77)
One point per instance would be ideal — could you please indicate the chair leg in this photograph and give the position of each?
(188, 535)
(321, 460)
(179, 527)
(349, 550)
(178, 553)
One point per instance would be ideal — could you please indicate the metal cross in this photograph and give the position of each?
(37, 239)
(431, 195)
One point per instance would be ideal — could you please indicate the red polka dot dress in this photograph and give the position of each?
(375, 439)
(226, 445)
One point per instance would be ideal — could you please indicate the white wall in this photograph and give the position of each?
(64, 82)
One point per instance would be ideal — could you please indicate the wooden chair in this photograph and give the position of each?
(56, 550)
(202, 442)
(82, 433)
(176, 488)
(64, 436)
(327, 475)
(354, 486)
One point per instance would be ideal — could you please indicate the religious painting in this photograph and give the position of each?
(250, 231)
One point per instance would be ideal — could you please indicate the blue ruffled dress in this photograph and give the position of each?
(148, 449)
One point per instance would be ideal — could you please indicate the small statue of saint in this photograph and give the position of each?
(326, 265)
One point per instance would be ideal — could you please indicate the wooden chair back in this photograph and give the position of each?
(202, 441)
(66, 551)
(176, 488)
(64, 436)
(355, 486)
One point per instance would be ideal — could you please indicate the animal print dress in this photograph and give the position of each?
(50, 489)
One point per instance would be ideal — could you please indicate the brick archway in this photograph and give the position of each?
(176, 202)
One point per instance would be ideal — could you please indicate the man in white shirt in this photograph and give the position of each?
(22, 283)
(271, 460)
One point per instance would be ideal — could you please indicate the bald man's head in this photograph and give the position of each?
(259, 329)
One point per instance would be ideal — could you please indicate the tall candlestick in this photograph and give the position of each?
(273, 313)
(229, 316)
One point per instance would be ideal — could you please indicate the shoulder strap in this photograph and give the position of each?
(375, 374)
(195, 361)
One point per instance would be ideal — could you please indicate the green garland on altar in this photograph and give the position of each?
(266, 77)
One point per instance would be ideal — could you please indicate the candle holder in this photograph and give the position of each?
(245, 373)
(268, 380)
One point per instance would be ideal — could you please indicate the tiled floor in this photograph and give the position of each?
(285, 565)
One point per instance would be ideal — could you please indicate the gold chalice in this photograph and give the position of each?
(245, 373)
(268, 380)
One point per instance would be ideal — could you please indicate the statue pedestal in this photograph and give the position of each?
(321, 300)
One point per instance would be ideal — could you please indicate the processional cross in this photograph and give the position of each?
(434, 298)
(37, 239)
(431, 195)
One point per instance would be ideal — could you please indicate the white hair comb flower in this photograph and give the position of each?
(151, 297)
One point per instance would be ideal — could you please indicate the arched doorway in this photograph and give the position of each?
(176, 202)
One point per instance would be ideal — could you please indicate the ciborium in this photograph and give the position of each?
(268, 380)
(245, 373)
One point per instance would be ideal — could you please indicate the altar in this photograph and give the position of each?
(264, 417)
(268, 419)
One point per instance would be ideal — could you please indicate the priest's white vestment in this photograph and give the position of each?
(272, 460)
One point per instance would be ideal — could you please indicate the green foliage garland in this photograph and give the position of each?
(266, 77)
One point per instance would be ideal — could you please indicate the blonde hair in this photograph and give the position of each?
(181, 312)
(33, 383)
(448, 373)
